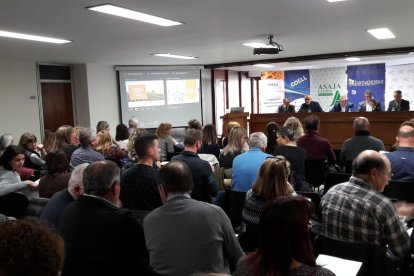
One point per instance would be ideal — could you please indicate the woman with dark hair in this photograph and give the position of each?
(64, 140)
(122, 136)
(58, 175)
(286, 138)
(194, 123)
(284, 247)
(11, 161)
(271, 129)
(28, 142)
(209, 138)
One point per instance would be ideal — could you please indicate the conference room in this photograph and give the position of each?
(255, 64)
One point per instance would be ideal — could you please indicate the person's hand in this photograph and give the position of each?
(404, 209)
(40, 147)
(158, 163)
(32, 185)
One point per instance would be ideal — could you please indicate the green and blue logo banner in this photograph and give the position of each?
(366, 77)
(297, 85)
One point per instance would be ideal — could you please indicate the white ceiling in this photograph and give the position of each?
(213, 31)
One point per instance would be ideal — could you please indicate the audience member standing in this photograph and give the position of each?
(165, 141)
(101, 238)
(58, 202)
(237, 138)
(246, 165)
(58, 174)
(356, 211)
(139, 190)
(209, 139)
(310, 106)
(318, 148)
(284, 242)
(205, 185)
(398, 104)
(402, 159)
(369, 104)
(86, 153)
(360, 142)
(184, 235)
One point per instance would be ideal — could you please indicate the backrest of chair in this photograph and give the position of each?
(372, 256)
(235, 201)
(35, 207)
(403, 191)
(333, 178)
(348, 166)
(316, 200)
(16, 204)
(315, 171)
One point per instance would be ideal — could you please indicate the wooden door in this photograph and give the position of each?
(57, 105)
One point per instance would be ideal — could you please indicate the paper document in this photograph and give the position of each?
(339, 266)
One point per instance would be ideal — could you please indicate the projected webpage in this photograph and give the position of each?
(160, 96)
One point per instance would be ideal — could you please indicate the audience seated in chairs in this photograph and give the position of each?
(65, 140)
(402, 159)
(284, 242)
(295, 124)
(28, 248)
(108, 148)
(360, 142)
(236, 141)
(86, 153)
(54, 208)
(230, 125)
(271, 183)
(271, 133)
(205, 184)
(33, 152)
(165, 141)
(184, 235)
(136, 133)
(139, 190)
(11, 161)
(357, 211)
(122, 136)
(247, 165)
(100, 237)
(58, 174)
(209, 138)
(102, 125)
(5, 141)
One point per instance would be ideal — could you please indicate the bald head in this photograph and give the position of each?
(361, 123)
(175, 177)
(372, 167)
(405, 136)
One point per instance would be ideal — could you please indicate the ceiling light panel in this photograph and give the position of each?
(381, 33)
(174, 56)
(33, 37)
(135, 15)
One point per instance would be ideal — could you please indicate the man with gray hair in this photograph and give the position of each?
(369, 104)
(402, 160)
(286, 107)
(57, 203)
(247, 165)
(360, 142)
(343, 105)
(100, 237)
(86, 153)
(132, 124)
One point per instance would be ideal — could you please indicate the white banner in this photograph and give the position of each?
(327, 85)
(399, 77)
(271, 95)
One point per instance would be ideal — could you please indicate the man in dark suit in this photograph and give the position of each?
(369, 104)
(58, 202)
(342, 106)
(286, 107)
(100, 237)
(398, 104)
(184, 235)
(310, 106)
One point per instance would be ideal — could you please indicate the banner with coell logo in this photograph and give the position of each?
(327, 86)
(297, 85)
(366, 77)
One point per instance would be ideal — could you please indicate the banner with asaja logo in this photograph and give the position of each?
(297, 85)
(327, 86)
(366, 77)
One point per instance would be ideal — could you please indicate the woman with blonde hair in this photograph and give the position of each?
(236, 145)
(64, 140)
(271, 183)
(230, 125)
(107, 147)
(136, 133)
(295, 124)
(165, 141)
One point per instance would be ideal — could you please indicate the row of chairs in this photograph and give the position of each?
(19, 206)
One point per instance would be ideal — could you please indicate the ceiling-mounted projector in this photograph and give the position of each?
(272, 48)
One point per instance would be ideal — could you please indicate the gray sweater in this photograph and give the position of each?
(10, 182)
(185, 236)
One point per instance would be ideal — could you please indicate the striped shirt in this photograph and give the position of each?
(355, 211)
